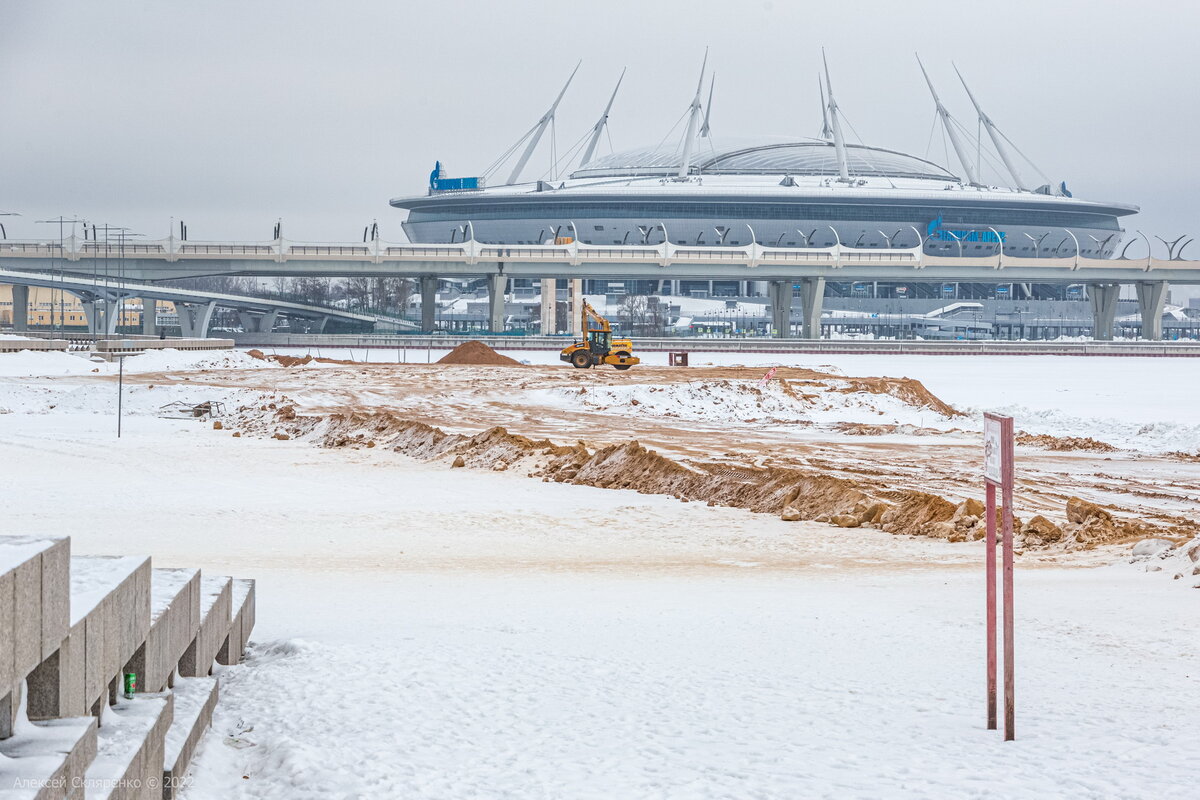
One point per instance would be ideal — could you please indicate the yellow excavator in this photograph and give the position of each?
(598, 346)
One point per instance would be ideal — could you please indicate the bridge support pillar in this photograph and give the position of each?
(1152, 297)
(149, 316)
(101, 316)
(812, 298)
(429, 284)
(258, 322)
(549, 306)
(577, 307)
(194, 318)
(496, 287)
(1103, 297)
(779, 295)
(20, 308)
(319, 327)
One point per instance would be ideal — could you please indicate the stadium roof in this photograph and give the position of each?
(765, 157)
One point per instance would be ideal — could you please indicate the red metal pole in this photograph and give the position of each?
(1009, 667)
(991, 605)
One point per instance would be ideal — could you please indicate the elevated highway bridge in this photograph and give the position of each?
(102, 299)
(782, 268)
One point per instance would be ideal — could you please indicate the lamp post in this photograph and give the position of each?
(1076, 240)
(4, 233)
(60, 221)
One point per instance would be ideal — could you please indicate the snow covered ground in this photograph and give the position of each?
(1141, 404)
(430, 633)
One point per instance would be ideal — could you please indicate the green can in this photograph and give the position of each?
(130, 684)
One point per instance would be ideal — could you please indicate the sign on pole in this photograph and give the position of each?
(998, 471)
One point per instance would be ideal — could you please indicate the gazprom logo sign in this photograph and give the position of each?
(935, 231)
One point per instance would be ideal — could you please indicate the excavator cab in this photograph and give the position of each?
(598, 346)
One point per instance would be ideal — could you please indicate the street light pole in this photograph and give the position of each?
(61, 220)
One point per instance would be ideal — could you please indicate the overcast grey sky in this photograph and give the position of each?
(232, 114)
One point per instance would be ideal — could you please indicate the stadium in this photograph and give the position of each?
(781, 192)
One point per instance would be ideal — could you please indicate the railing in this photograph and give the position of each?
(474, 252)
(328, 250)
(226, 249)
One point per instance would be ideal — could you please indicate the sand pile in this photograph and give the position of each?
(791, 493)
(296, 361)
(477, 354)
(1063, 443)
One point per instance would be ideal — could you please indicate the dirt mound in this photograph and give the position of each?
(477, 354)
(791, 493)
(907, 390)
(296, 361)
(1062, 443)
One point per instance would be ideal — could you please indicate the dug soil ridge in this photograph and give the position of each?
(790, 492)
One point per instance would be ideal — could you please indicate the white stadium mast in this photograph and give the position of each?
(704, 129)
(839, 142)
(601, 123)
(693, 120)
(826, 132)
(997, 136)
(948, 124)
(539, 129)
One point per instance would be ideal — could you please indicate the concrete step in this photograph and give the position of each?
(174, 622)
(242, 624)
(216, 602)
(109, 621)
(195, 700)
(47, 760)
(129, 749)
(34, 611)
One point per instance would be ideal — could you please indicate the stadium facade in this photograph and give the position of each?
(817, 192)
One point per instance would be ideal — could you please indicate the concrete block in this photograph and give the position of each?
(129, 752)
(27, 615)
(8, 634)
(8, 712)
(175, 599)
(95, 682)
(234, 645)
(56, 687)
(195, 700)
(54, 756)
(56, 594)
(216, 599)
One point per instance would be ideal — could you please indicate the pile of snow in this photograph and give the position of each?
(170, 359)
(1149, 437)
(101, 398)
(13, 337)
(38, 363)
(747, 402)
(1180, 562)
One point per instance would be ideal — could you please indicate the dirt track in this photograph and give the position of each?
(938, 457)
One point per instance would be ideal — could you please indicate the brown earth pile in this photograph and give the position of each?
(908, 390)
(296, 361)
(792, 493)
(1048, 442)
(477, 354)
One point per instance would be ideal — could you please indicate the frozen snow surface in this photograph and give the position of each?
(742, 402)
(35, 363)
(432, 633)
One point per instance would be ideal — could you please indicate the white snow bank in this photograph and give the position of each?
(101, 397)
(1181, 563)
(742, 402)
(37, 363)
(33, 363)
(170, 359)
